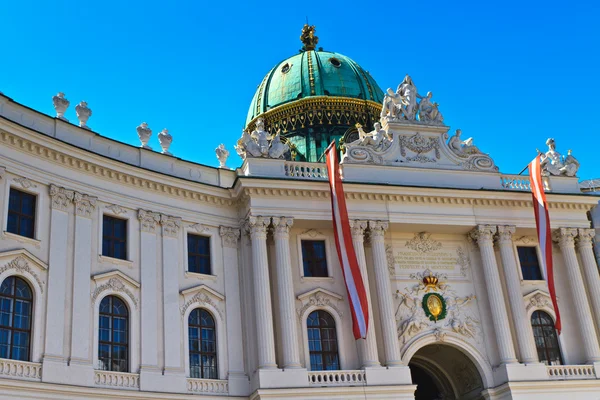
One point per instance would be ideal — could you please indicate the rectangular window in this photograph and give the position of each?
(21, 213)
(530, 266)
(199, 254)
(314, 258)
(114, 237)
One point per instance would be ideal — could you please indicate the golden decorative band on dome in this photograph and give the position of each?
(319, 110)
(311, 76)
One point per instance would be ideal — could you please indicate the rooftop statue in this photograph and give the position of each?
(165, 139)
(144, 133)
(553, 163)
(222, 155)
(308, 37)
(402, 105)
(462, 148)
(83, 114)
(377, 138)
(259, 143)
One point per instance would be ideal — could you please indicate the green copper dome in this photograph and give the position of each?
(313, 73)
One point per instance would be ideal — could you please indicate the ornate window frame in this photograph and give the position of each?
(312, 234)
(202, 296)
(40, 191)
(526, 241)
(118, 284)
(538, 300)
(116, 211)
(210, 232)
(25, 265)
(321, 299)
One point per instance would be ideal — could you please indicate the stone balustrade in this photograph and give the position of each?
(295, 169)
(117, 380)
(520, 182)
(212, 386)
(337, 378)
(564, 372)
(20, 369)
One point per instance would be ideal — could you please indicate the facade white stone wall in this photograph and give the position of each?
(164, 199)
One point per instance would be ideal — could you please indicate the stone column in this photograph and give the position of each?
(565, 237)
(80, 342)
(285, 289)
(368, 346)
(238, 381)
(172, 318)
(590, 269)
(257, 227)
(384, 294)
(483, 235)
(61, 200)
(523, 329)
(149, 295)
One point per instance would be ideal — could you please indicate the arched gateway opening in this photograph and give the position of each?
(443, 372)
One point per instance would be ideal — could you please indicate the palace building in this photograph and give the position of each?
(128, 273)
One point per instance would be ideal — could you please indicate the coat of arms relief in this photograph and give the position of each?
(431, 305)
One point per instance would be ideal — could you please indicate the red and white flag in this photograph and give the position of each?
(357, 294)
(542, 222)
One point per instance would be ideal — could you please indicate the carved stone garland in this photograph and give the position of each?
(21, 265)
(116, 285)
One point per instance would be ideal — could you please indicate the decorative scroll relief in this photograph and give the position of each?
(20, 264)
(84, 204)
(432, 306)
(61, 197)
(117, 285)
(170, 225)
(116, 209)
(204, 296)
(25, 183)
(423, 252)
(148, 220)
(319, 298)
(538, 300)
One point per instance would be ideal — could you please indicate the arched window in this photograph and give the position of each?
(202, 345)
(546, 340)
(16, 301)
(113, 335)
(322, 341)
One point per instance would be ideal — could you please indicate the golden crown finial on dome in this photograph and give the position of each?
(431, 282)
(308, 37)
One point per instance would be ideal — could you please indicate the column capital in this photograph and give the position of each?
(585, 237)
(256, 226)
(565, 237)
(282, 225)
(483, 234)
(229, 236)
(170, 225)
(378, 228)
(61, 197)
(357, 227)
(84, 204)
(505, 233)
(148, 220)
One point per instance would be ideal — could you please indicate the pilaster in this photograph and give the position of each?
(565, 237)
(523, 330)
(368, 346)
(80, 344)
(285, 288)
(54, 356)
(384, 294)
(483, 235)
(239, 385)
(257, 228)
(584, 242)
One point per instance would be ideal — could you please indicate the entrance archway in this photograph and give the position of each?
(443, 372)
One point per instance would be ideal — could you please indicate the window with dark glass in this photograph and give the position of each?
(21, 213)
(322, 341)
(114, 237)
(199, 254)
(16, 301)
(113, 335)
(546, 339)
(202, 344)
(314, 258)
(530, 266)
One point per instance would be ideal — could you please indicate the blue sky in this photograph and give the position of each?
(509, 74)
